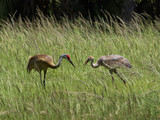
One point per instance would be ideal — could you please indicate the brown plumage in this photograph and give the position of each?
(43, 62)
(111, 62)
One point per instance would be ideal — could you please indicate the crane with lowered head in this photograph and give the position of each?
(111, 62)
(42, 62)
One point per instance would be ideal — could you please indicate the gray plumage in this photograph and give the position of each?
(111, 62)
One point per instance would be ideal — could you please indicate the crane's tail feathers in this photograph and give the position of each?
(28, 70)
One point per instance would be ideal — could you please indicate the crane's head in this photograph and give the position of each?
(89, 59)
(67, 57)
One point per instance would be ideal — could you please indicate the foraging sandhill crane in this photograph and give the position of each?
(111, 62)
(43, 62)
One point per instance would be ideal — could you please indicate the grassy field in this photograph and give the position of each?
(83, 92)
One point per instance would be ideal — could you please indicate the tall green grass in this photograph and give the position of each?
(83, 92)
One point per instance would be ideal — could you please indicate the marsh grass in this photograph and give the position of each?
(84, 92)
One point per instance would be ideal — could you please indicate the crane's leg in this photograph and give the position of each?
(45, 71)
(115, 71)
(111, 73)
(40, 76)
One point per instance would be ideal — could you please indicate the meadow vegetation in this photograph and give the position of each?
(83, 92)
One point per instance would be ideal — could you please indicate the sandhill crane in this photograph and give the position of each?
(111, 62)
(43, 62)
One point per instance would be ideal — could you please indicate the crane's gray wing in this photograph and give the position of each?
(114, 58)
(106, 65)
(113, 61)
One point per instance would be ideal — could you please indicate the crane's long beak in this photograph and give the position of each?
(86, 62)
(72, 63)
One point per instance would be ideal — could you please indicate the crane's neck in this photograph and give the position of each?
(59, 63)
(94, 65)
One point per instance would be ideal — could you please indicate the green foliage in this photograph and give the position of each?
(84, 92)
